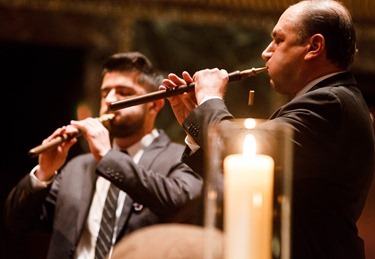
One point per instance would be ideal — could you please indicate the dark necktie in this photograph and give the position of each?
(104, 241)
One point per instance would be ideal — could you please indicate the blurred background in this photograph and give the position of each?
(51, 53)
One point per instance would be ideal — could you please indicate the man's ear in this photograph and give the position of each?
(315, 47)
(157, 105)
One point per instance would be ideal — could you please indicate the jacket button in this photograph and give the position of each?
(137, 206)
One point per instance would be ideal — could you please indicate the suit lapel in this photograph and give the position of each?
(87, 190)
(151, 152)
(125, 214)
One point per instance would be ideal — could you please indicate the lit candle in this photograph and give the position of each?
(248, 191)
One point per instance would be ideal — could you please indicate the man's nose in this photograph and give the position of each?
(267, 52)
(111, 96)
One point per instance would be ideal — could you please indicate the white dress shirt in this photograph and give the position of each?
(86, 245)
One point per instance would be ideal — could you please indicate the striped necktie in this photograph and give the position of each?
(104, 241)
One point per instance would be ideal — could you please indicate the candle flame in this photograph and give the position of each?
(249, 146)
(250, 123)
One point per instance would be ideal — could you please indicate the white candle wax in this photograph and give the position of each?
(248, 191)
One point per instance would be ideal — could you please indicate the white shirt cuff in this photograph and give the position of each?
(189, 141)
(36, 183)
(191, 144)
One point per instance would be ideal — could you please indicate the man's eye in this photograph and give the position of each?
(125, 93)
(277, 40)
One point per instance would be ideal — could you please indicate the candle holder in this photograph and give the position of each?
(248, 188)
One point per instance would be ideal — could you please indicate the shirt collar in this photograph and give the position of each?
(142, 144)
(313, 83)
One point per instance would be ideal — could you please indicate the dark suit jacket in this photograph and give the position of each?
(166, 189)
(333, 164)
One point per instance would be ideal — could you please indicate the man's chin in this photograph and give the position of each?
(120, 133)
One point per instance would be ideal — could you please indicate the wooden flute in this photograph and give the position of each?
(161, 94)
(64, 137)
(234, 76)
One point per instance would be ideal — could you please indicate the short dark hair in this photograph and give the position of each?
(333, 20)
(148, 76)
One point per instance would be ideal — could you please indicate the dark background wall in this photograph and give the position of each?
(40, 86)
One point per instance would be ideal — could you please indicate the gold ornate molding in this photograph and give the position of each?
(122, 15)
(363, 11)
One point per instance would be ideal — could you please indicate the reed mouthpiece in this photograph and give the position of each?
(106, 117)
(253, 71)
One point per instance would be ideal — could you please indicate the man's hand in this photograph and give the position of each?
(52, 160)
(96, 135)
(182, 105)
(208, 83)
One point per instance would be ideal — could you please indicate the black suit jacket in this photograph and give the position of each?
(333, 164)
(159, 189)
